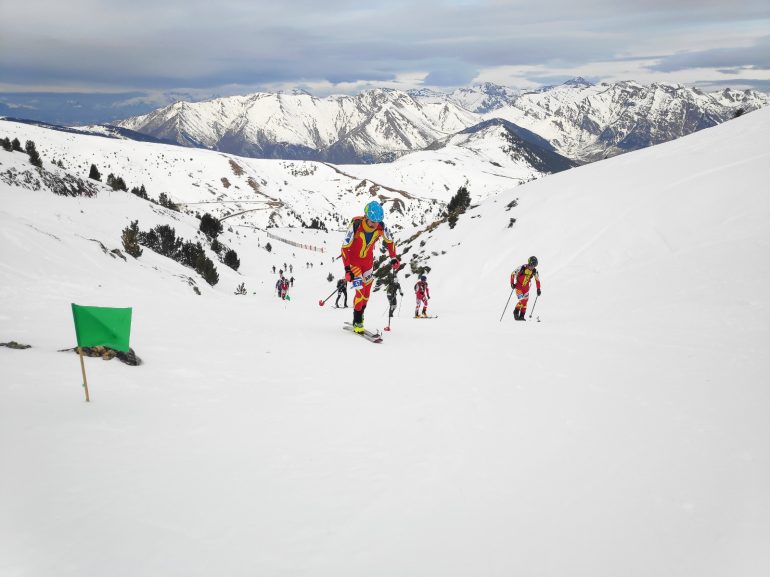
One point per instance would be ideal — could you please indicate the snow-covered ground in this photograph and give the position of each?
(625, 434)
(247, 191)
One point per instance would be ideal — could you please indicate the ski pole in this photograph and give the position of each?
(506, 304)
(534, 304)
(323, 302)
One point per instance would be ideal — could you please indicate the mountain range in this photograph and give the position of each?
(580, 120)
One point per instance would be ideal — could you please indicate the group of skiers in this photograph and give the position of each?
(358, 260)
(357, 256)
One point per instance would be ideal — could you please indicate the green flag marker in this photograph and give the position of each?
(104, 326)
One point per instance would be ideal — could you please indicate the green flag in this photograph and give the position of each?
(102, 326)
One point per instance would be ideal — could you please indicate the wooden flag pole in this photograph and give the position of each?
(83, 368)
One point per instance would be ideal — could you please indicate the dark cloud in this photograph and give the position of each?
(756, 56)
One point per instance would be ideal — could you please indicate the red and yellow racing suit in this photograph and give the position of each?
(520, 282)
(358, 254)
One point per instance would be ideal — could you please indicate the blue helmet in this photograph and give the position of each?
(373, 211)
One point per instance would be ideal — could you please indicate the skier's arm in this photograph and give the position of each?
(390, 244)
(347, 243)
(537, 282)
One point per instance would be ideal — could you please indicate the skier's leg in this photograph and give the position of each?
(522, 306)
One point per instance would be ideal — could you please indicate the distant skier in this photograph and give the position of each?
(422, 292)
(283, 289)
(278, 285)
(393, 288)
(520, 283)
(358, 256)
(291, 281)
(342, 291)
(273, 269)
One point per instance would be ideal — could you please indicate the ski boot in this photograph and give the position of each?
(358, 321)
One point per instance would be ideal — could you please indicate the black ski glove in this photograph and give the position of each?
(538, 292)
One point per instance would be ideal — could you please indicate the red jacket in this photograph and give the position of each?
(358, 248)
(522, 277)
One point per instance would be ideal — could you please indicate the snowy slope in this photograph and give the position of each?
(626, 434)
(248, 192)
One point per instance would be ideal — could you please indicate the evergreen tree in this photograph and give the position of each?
(268, 247)
(189, 253)
(16, 145)
(231, 259)
(6, 144)
(458, 204)
(116, 182)
(241, 289)
(211, 226)
(206, 269)
(94, 174)
(34, 157)
(131, 239)
(170, 243)
(165, 201)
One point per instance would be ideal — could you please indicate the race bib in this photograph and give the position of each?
(358, 282)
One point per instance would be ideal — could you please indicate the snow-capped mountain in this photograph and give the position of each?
(582, 121)
(487, 158)
(377, 125)
(587, 121)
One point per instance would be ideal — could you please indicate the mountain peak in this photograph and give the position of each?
(578, 81)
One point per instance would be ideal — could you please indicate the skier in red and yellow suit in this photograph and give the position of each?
(520, 282)
(358, 256)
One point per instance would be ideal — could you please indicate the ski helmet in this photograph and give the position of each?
(423, 277)
(373, 211)
(533, 261)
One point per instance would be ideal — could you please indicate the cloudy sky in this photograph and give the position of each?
(223, 47)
